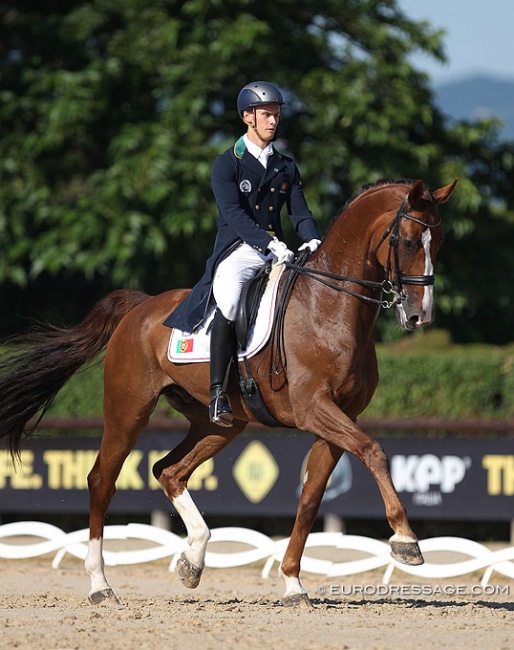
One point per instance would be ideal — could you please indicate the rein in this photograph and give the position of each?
(278, 356)
(388, 285)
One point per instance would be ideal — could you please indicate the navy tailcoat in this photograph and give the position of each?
(249, 200)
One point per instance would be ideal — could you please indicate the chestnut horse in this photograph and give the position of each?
(384, 240)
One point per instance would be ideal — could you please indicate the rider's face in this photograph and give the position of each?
(266, 120)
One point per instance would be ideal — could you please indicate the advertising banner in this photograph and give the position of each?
(437, 478)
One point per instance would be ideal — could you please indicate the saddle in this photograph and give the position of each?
(249, 303)
(246, 315)
(248, 307)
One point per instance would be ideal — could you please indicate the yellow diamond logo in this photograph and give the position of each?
(255, 471)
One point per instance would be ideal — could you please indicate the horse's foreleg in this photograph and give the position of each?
(173, 472)
(322, 460)
(404, 543)
(334, 426)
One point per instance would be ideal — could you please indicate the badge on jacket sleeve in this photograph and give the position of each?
(245, 185)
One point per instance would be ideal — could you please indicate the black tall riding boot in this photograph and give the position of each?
(223, 344)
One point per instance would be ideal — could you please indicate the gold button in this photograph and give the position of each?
(271, 208)
(257, 207)
(272, 189)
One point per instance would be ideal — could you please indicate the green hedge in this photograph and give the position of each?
(82, 396)
(461, 382)
(421, 376)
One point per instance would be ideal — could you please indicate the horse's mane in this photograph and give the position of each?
(381, 182)
(384, 181)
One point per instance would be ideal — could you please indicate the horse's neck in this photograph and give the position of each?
(349, 248)
(349, 251)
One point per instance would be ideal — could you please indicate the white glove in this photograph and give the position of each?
(312, 245)
(280, 251)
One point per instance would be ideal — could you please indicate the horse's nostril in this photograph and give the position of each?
(413, 320)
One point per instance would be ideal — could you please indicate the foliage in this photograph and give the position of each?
(112, 112)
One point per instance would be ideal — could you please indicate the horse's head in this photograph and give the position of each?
(407, 250)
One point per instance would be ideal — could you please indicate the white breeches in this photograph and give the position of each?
(232, 273)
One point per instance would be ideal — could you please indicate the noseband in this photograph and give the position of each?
(394, 278)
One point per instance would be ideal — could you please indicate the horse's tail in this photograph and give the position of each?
(34, 366)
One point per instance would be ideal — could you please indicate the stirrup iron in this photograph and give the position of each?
(220, 411)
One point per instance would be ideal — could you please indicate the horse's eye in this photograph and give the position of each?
(409, 244)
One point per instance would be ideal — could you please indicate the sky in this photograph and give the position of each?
(479, 39)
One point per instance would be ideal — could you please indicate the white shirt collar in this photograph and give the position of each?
(262, 155)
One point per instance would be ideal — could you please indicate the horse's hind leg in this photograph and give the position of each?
(203, 441)
(322, 460)
(117, 442)
(129, 399)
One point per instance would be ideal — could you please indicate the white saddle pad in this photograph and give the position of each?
(186, 347)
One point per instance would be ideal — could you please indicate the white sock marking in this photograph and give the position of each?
(94, 566)
(197, 532)
(293, 585)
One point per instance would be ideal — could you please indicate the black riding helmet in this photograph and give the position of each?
(256, 94)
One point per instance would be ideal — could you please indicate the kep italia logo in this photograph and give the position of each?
(428, 477)
(255, 471)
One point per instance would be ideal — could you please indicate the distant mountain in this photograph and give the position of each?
(479, 97)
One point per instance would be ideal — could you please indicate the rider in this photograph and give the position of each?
(251, 182)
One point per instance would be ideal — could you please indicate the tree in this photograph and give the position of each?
(112, 112)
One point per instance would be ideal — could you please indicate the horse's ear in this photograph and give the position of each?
(443, 193)
(416, 193)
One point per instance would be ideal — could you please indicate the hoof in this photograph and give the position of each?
(296, 600)
(101, 596)
(188, 573)
(407, 553)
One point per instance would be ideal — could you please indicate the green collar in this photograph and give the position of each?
(240, 147)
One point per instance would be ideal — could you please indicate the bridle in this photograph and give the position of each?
(391, 284)
(394, 278)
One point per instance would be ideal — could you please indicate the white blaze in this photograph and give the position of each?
(428, 294)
